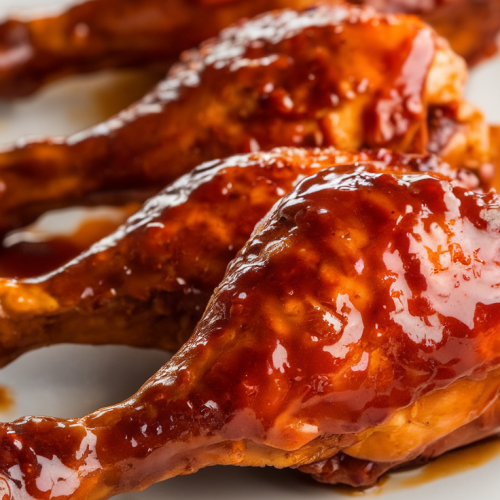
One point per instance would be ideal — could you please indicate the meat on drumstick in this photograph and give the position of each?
(148, 284)
(361, 317)
(341, 76)
(97, 34)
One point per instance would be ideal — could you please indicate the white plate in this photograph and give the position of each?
(67, 381)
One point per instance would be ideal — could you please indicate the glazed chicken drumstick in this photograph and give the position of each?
(148, 284)
(363, 310)
(341, 76)
(98, 34)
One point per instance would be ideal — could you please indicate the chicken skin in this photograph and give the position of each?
(98, 34)
(339, 76)
(362, 311)
(471, 26)
(147, 284)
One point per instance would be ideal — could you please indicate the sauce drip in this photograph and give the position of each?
(455, 462)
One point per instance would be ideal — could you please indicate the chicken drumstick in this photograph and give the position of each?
(341, 76)
(97, 34)
(157, 272)
(364, 310)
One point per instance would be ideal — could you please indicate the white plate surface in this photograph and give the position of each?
(67, 381)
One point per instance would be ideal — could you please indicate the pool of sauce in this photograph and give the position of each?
(6, 399)
(449, 464)
(456, 462)
(27, 259)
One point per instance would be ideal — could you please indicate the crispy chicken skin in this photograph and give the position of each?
(98, 34)
(360, 312)
(328, 76)
(148, 284)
